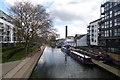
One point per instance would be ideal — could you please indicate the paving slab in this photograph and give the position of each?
(6, 67)
(11, 73)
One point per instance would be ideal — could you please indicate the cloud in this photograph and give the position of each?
(64, 15)
(75, 13)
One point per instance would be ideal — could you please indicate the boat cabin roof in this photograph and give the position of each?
(80, 54)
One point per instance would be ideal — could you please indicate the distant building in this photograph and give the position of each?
(7, 33)
(93, 33)
(82, 40)
(60, 42)
(69, 41)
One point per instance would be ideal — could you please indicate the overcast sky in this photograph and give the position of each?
(76, 14)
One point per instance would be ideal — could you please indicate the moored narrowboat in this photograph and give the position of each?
(81, 58)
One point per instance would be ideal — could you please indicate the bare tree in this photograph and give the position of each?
(30, 20)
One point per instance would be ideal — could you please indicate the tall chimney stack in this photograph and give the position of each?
(66, 31)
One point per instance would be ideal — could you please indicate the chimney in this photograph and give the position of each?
(66, 31)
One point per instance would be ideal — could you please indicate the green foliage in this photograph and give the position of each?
(7, 48)
(18, 56)
(10, 51)
(0, 53)
(16, 53)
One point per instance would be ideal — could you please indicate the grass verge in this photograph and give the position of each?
(19, 55)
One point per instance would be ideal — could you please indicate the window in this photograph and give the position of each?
(0, 38)
(107, 33)
(92, 39)
(115, 32)
(118, 21)
(95, 40)
(7, 27)
(102, 33)
(110, 4)
(115, 22)
(110, 23)
(92, 26)
(117, 11)
(1, 24)
(110, 12)
(92, 30)
(102, 26)
(115, 3)
(118, 32)
(7, 33)
(95, 36)
(92, 35)
(107, 24)
(110, 32)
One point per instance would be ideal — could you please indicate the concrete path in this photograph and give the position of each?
(22, 68)
(6, 67)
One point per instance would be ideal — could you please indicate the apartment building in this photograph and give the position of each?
(110, 26)
(7, 33)
(93, 33)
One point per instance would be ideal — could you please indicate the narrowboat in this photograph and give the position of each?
(81, 58)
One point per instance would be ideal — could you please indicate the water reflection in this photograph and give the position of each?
(65, 58)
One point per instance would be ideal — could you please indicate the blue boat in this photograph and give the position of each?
(66, 49)
(81, 58)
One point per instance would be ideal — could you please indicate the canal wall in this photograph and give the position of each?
(34, 61)
(107, 67)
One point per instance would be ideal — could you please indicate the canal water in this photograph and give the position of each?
(56, 64)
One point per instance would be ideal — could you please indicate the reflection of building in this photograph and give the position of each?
(6, 29)
(110, 27)
(93, 33)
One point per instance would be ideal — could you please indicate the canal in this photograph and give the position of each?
(54, 64)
